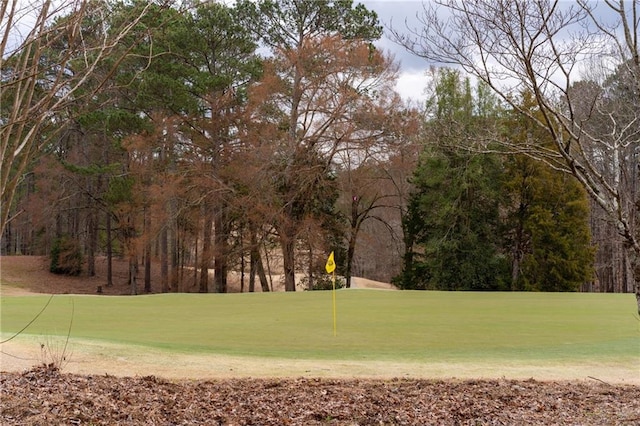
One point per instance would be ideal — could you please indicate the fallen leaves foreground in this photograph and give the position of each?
(45, 396)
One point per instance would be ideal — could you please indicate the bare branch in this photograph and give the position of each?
(42, 81)
(540, 47)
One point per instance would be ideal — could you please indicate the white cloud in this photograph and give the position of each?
(411, 86)
(398, 14)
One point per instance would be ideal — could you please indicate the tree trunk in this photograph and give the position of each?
(6, 238)
(147, 269)
(242, 274)
(634, 255)
(196, 260)
(92, 226)
(288, 260)
(408, 259)
(310, 266)
(133, 272)
(256, 266)
(518, 252)
(164, 260)
(109, 252)
(206, 251)
(264, 283)
(147, 253)
(254, 258)
(354, 223)
(173, 238)
(221, 249)
(350, 253)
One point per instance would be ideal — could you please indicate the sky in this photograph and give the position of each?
(397, 14)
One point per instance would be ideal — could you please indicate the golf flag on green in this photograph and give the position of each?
(331, 264)
(331, 268)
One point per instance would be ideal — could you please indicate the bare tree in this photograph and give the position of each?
(50, 59)
(540, 47)
(315, 84)
(369, 191)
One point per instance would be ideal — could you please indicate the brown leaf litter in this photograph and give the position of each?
(45, 396)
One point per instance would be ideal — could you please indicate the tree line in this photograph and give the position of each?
(490, 221)
(260, 136)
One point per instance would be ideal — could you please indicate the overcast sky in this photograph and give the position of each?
(400, 13)
(394, 13)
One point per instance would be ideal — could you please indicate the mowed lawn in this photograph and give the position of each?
(371, 325)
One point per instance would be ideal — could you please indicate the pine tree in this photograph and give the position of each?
(547, 228)
(478, 221)
(453, 217)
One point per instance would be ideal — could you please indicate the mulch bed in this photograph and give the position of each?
(44, 396)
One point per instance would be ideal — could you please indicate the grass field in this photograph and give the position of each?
(371, 325)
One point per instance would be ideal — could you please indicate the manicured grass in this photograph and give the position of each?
(372, 325)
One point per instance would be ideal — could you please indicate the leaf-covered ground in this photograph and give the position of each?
(44, 396)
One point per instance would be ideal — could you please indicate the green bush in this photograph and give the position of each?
(66, 257)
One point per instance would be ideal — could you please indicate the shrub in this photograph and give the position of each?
(66, 257)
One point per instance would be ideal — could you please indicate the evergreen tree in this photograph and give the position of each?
(453, 217)
(478, 221)
(561, 257)
(546, 224)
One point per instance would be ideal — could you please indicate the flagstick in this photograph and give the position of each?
(330, 267)
(334, 302)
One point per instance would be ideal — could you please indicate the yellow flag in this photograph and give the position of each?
(331, 265)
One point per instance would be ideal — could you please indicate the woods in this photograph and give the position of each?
(542, 47)
(203, 138)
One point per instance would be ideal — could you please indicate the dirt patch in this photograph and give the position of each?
(44, 396)
(20, 275)
(357, 282)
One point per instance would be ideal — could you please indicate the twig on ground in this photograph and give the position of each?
(599, 380)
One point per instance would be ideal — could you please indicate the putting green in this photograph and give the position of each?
(403, 326)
